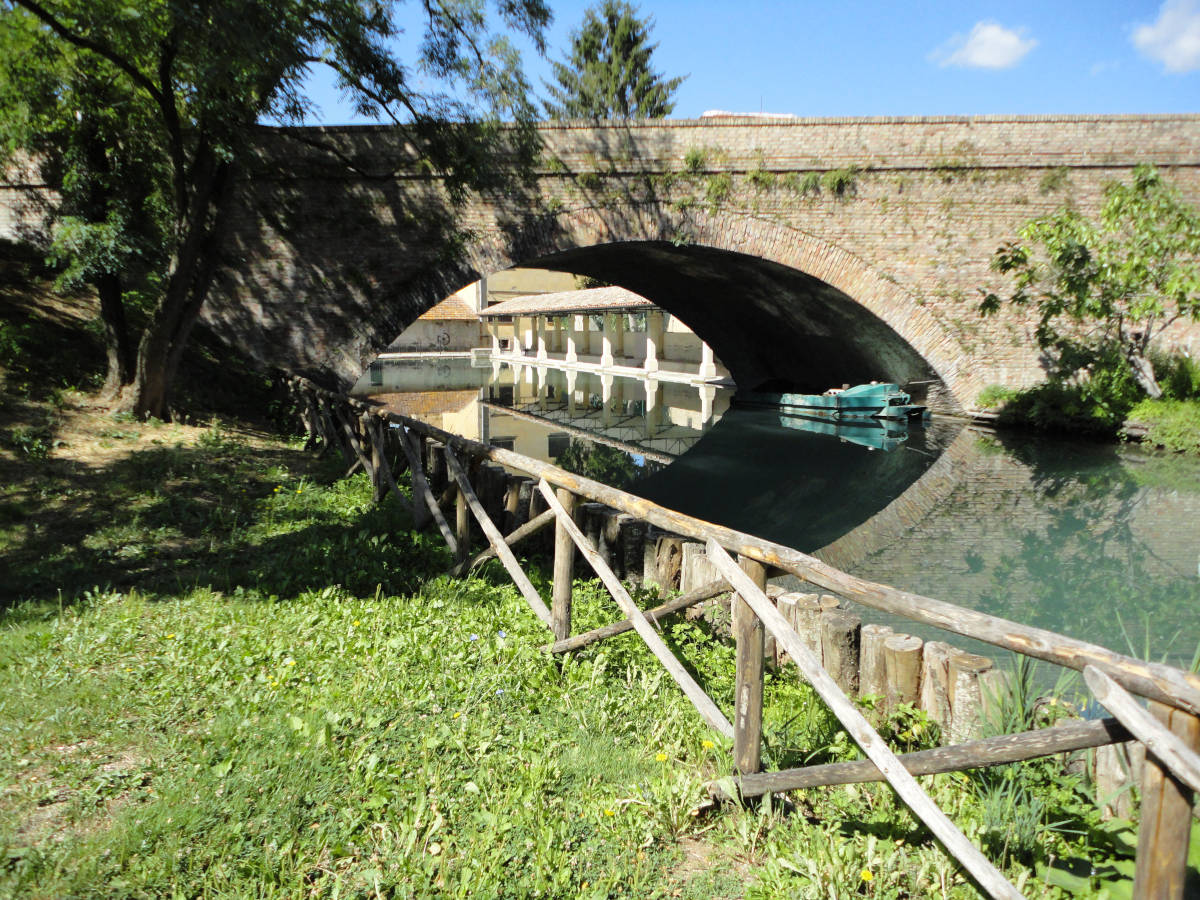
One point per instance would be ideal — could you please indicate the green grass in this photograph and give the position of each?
(225, 672)
(1172, 424)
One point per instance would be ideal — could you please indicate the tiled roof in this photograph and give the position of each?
(453, 309)
(426, 405)
(563, 302)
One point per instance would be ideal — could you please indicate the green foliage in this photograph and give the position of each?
(840, 182)
(761, 178)
(140, 114)
(995, 395)
(717, 188)
(1179, 376)
(1102, 290)
(695, 160)
(608, 72)
(1172, 424)
(599, 462)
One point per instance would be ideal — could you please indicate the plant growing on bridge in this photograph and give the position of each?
(1104, 289)
(140, 115)
(608, 73)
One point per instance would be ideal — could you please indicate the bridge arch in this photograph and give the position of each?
(774, 302)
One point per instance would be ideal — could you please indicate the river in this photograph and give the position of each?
(1099, 542)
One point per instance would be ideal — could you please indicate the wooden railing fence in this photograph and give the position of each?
(447, 469)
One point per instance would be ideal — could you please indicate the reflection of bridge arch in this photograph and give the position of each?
(773, 302)
(896, 520)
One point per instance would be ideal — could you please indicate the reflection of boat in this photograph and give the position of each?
(863, 401)
(874, 434)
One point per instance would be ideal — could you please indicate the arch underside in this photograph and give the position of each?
(767, 322)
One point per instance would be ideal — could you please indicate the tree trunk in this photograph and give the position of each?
(1143, 373)
(117, 343)
(163, 341)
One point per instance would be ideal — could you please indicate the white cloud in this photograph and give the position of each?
(989, 46)
(1174, 39)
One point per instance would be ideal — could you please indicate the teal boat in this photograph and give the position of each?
(874, 434)
(863, 401)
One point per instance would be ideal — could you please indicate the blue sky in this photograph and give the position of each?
(918, 58)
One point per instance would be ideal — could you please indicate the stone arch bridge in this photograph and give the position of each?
(816, 251)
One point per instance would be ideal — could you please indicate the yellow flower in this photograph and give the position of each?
(707, 745)
(171, 635)
(457, 714)
(661, 757)
(356, 622)
(609, 812)
(866, 875)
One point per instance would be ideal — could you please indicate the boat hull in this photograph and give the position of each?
(864, 401)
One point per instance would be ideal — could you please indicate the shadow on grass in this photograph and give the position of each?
(222, 515)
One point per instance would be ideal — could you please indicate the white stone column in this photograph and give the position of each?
(494, 330)
(539, 324)
(571, 376)
(541, 388)
(655, 333)
(606, 392)
(572, 346)
(606, 341)
(708, 365)
(654, 412)
(708, 393)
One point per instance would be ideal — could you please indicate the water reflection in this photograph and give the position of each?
(1096, 542)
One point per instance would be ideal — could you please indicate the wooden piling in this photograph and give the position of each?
(935, 684)
(1166, 821)
(564, 568)
(748, 691)
(966, 697)
(839, 648)
(903, 663)
(872, 665)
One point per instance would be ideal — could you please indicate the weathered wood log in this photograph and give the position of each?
(872, 663)
(696, 569)
(1166, 823)
(530, 528)
(903, 655)
(435, 465)
(995, 751)
(610, 540)
(462, 523)
(516, 502)
(786, 604)
(1170, 750)
(667, 571)
(861, 731)
(388, 478)
(496, 539)
(633, 538)
(708, 710)
(748, 675)
(809, 610)
(655, 615)
(564, 569)
(966, 696)
(839, 648)
(935, 684)
(1155, 680)
(375, 446)
(421, 487)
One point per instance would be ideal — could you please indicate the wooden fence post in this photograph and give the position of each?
(564, 570)
(748, 693)
(1166, 816)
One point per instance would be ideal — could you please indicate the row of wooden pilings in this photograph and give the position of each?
(513, 499)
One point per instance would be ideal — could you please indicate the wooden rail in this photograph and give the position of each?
(799, 630)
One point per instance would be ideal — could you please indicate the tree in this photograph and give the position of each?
(607, 73)
(140, 114)
(1103, 290)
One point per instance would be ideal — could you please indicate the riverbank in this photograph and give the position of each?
(227, 672)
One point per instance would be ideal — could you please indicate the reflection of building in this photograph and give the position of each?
(520, 314)
(536, 409)
(451, 327)
(607, 328)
